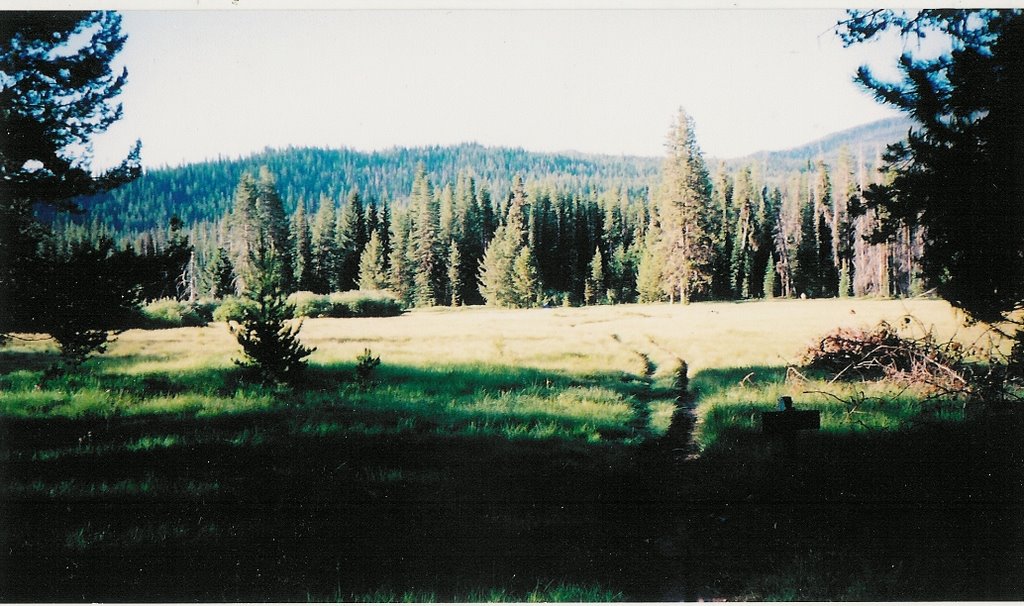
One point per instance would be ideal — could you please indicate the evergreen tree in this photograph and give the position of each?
(844, 280)
(958, 173)
(222, 275)
(371, 219)
(351, 239)
(768, 287)
(179, 269)
(57, 92)
(806, 271)
(468, 233)
(447, 228)
(846, 195)
(488, 222)
(245, 229)
(744, 243)
(384, 228)
(816, 273)
(525, 280)
(424, 244)
(684, 208)
(828, 277)
(303, 253)
(372, 271)
(496, 268)
(455, 271)
(648, 273)
(790, 235)
(401, 274)
(272, 220)
(622, 275)
(267, 333)
(594, 290)
(769, 203)
(258, 217)
(498, 265)
(323, 248)
(722, 242)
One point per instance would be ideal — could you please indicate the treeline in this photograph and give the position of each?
(735, 233)
(203, 191)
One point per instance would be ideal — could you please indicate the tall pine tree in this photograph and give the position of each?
(351, 238)
(685, 207)
(323, 247)
(372, 271)
(425, 248)
(302, 255)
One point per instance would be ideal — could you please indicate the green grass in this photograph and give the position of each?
(495, 450)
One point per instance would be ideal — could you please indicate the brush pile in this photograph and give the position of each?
(883, 353)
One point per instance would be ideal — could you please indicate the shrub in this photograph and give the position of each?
(169, 313)
(203, 309)
(349, 304)
(231, 308)
(364, 304)
(311, 305)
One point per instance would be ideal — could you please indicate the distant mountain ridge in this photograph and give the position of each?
(868, 139)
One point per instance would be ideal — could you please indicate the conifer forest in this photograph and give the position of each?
(447, 226)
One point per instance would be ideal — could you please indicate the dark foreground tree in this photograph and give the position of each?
(57, 93)
(92, 292)
(958, 174)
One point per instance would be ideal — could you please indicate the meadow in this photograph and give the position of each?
(506, 455)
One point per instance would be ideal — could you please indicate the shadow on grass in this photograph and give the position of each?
(253, 506)
(933, 509)
(31, 361)
(338, 491)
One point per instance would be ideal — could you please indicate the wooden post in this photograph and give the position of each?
(787, 421)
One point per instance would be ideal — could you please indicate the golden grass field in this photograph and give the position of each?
(588, 339)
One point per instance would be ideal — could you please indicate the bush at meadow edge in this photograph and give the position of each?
(169, 313)
(349, 304)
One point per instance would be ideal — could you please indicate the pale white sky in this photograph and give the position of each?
(209, 83)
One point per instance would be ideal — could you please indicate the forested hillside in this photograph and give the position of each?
(469, 224)
(202, 191)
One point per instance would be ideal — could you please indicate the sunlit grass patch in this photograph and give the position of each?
(592, 405)
(846, 408)
(84, 402)
(28, 402)
(148, 443)
(515, 403)
(660, 417)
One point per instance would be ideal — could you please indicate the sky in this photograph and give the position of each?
(204, 84)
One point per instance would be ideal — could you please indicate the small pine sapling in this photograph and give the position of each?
(365, 365)
(267, 333)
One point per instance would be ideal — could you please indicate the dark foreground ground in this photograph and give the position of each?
(244, 507)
